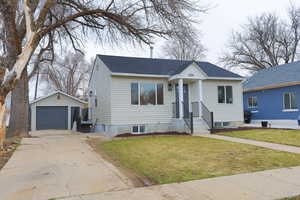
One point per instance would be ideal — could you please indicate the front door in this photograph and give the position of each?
(185, 101)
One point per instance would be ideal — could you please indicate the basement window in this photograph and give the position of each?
(135, 129)
(138, 129)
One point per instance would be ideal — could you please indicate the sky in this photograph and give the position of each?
(215, 27)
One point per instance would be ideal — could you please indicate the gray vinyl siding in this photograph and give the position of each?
(224, 112)
(125, 113)
(100, 84)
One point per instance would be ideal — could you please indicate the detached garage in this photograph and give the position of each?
(57, 110)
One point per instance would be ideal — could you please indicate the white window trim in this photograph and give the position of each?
(139, 94)
(252, 102)
(290, 110)
(290, 102)
(139, 129)
(224, 86)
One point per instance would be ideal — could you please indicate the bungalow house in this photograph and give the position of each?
(143, 95)
(273, 95)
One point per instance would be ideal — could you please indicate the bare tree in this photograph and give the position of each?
(69, 74)
(265, 41)
(26, 23)
(191, 49)
(18, 120)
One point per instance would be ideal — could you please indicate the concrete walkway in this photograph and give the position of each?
(266, 185)
(279, 147)
(57, 164)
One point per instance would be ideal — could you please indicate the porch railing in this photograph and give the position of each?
(175, 111)
(207, 116)
(195, 109)
(189, 121)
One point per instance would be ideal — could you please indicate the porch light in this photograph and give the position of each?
(90, 93)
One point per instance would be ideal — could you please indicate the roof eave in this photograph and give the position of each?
(226, 78)
(139, 75)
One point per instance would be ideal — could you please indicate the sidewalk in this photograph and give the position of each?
(266, 185)
(279, 147)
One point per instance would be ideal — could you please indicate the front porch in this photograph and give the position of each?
(188, 102)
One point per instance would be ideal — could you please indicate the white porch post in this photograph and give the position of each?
(180, 96)
(200, 97)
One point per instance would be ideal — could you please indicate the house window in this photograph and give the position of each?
(96, 102)
(147, 94)
(138, 129)
(142, 129)
(221, 124)
(290, 101)
(160, 93)
(134, 93)
(225, 94)
(135, 129)
(252, 102)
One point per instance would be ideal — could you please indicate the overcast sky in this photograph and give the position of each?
(216, 27)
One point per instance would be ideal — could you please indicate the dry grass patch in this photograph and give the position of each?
(279, 136)
(167, 159)
(10, 146)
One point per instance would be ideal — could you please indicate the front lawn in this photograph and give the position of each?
(167, 159)
(288, 137)
(292, 198)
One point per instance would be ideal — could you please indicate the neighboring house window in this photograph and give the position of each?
(225, 94)
(252, 102)
(147, 94)
(134, 93)
(290, 101)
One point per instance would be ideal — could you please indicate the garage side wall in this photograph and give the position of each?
(54, 101)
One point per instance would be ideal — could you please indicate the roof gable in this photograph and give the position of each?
(190, 72)
(167, 67)
(58, 92)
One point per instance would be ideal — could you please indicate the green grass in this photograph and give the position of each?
(292, 198)
(167, 159)
(288, 137)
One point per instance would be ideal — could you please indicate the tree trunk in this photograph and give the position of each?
(19, 111)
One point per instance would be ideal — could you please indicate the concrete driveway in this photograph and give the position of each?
(57, 164)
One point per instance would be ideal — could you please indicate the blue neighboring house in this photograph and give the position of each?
(273, 95)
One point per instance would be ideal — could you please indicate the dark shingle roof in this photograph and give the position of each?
(273, 76)
(155, 66)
